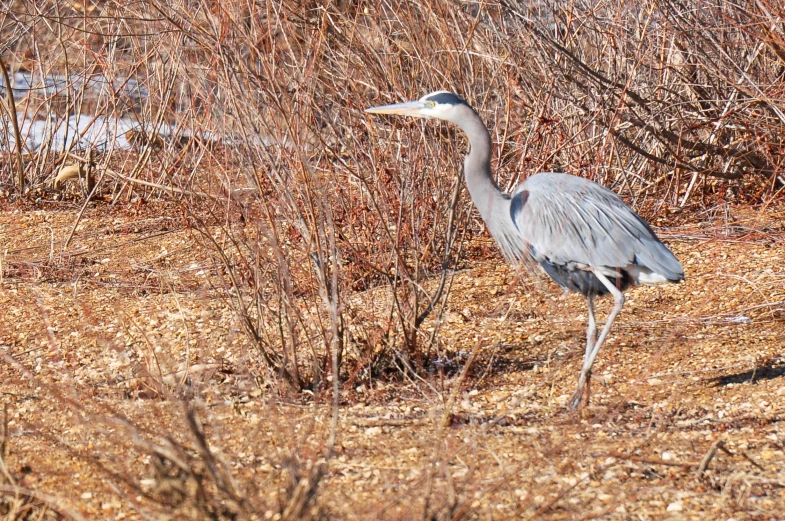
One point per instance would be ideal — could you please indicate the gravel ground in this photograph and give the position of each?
(685, 421)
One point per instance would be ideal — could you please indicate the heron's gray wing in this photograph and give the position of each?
(573, 222)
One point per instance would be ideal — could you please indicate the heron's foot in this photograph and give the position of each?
(581, 397)
(576, 400)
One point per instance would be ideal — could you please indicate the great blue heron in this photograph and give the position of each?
(581, 234)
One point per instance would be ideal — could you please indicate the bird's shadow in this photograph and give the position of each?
(773, 369)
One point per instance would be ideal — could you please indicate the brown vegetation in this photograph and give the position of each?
(268, 304)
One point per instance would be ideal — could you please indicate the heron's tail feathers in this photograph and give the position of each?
(656, 264)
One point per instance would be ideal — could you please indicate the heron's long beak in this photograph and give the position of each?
(411, 108)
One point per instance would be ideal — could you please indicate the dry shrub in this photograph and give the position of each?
(666, 93)
(161, 462)
(338, 232)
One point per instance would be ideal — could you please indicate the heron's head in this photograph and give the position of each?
(439, 105)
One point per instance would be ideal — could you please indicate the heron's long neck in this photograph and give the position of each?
(492, 203)
(486, 195)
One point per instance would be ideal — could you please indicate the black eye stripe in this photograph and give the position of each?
(446, 98)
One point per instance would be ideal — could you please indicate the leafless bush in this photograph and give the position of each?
(320, 217)
(671, 92)
(337, 235)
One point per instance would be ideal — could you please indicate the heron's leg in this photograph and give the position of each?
(591, 340)
(618, 301)
(591, 336)
(591, 332)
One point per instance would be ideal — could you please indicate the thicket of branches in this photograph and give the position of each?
(338, 232)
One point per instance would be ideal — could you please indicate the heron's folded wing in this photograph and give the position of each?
(572, 221)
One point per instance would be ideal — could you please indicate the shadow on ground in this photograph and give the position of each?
(773, 369)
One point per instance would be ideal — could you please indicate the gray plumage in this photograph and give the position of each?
(570, 221)
(579, 232)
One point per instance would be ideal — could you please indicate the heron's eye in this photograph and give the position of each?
(431, 104)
